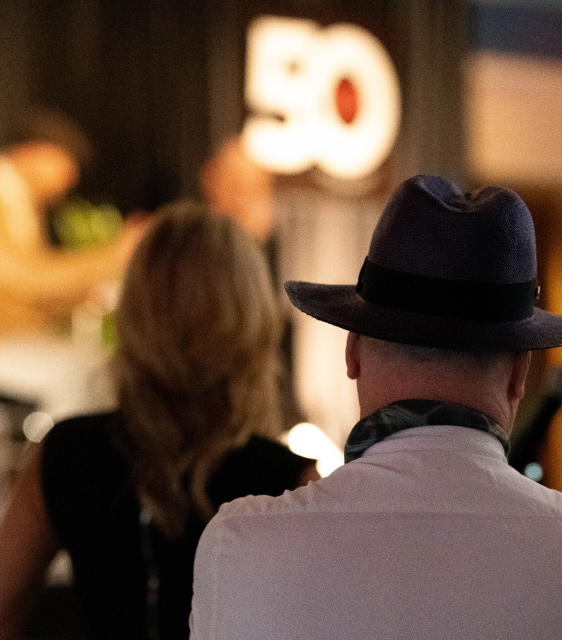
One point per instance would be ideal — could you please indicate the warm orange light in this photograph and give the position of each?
(346, 100)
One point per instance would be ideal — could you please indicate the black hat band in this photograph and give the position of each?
(476, 301)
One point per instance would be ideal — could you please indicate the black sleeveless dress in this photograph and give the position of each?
(94, 511)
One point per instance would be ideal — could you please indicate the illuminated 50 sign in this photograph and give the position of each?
(328, 97)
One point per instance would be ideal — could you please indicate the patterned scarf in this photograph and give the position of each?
(407, 414)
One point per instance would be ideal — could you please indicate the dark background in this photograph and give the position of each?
(158, 84)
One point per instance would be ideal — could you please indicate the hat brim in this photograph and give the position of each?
(342, 306)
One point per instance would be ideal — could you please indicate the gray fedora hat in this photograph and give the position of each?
(445, 269)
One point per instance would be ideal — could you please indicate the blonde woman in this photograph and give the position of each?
(129, 493)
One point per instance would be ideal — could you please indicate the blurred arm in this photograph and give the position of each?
(27, 545)
(62, 278)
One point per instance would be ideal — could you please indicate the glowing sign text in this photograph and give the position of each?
(328, 97)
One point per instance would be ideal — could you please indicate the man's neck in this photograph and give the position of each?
(425, 385)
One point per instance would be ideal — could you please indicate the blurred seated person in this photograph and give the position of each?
(129, 493)
(236, 186)
(40, 284)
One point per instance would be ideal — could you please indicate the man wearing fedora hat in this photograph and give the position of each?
(426, 531)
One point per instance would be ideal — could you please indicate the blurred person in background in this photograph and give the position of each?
(47, 360)
(40, 284)
(237, 187)
(129, 493)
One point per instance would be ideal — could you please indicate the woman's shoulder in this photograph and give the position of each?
(80, 452)
(84, 423)
(259, 446)
(79, 437)
(260, 467)
(260, 452)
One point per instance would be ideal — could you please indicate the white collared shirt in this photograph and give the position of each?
(430, 534)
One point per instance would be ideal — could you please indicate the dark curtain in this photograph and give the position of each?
(428, 41)
(132, 73)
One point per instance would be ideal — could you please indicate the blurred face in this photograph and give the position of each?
(49, 170)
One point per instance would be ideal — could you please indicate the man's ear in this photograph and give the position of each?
(521, 361)
(352, 356)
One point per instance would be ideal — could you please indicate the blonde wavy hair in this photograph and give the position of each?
(197, 366)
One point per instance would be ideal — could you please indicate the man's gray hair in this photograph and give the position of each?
(430, 355)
